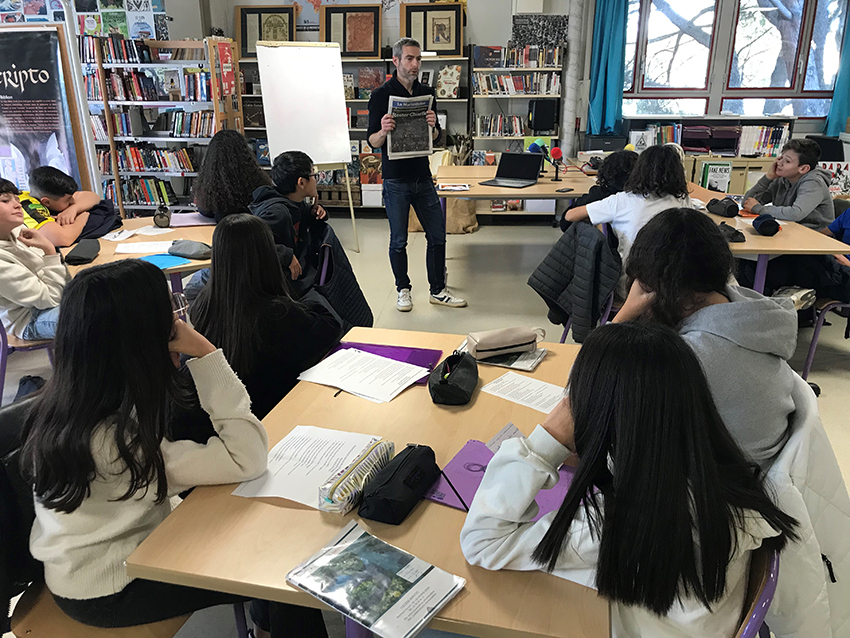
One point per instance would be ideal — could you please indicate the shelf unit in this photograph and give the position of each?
(482, 103)
(225, 110)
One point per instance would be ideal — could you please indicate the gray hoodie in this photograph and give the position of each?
(744, 347)
(808, 201)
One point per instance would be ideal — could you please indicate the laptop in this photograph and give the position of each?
(516, 170)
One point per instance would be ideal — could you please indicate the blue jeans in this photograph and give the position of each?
(42, 324)
(196, 284)
(399, 196)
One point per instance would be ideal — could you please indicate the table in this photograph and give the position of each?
(107, 249)
(793, 239)
(247, 546)
(545, 188)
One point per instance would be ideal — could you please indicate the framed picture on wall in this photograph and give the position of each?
(275, 23)
(356, 27)
(437, 27)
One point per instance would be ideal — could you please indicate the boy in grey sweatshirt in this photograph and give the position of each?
(794, 188)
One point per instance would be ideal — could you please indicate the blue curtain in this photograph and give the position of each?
(607, 68)
(840, 109)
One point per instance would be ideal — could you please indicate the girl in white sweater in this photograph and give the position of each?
(663, 509)
(98, 451)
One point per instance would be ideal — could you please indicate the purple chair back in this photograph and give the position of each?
(764, 573)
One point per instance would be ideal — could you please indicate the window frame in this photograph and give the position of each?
(720, 57)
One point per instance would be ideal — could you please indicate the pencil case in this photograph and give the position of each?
(343, 491)
(505, 341)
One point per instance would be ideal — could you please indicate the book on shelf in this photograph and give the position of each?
(448, 81)
(527, 56)
(361, 119)
(521, 84)
(716, 176)
(370, 168)
(187, 54)
(655, 134)
(98, 127)
(261, 146)
(483, 158)
(129, 85)
(348, 85)
(116, 49)
(369, 78)
(765, 141)
(92, 83)
(146, 157)
(188, 124)
(253, 115)
(87, 46)
(325, 178)
(365, 147)
(499, 125)
(144, 191)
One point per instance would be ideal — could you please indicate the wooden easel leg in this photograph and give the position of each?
(351, 208)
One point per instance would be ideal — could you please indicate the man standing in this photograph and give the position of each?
(407, 182)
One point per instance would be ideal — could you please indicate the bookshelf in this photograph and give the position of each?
(517, 75)
(158, 103)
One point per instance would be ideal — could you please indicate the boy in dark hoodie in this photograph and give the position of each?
(292, 219)
(794, 188)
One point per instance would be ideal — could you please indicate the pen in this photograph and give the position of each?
(337, 393)
(460, 498)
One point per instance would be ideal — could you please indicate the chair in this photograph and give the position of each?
(606, 315)
(822, 308)
(764, 573)
(9, 344)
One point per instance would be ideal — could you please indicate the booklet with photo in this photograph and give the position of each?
(525, 361)
(411, 136)
(385, 589)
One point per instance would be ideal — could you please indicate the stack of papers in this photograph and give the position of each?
(303, 461)
(126, 233)
(364, 374)
(526, 391)
(144, 247)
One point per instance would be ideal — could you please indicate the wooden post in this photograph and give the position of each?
(110, 129)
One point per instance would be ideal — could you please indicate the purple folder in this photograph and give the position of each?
(181, 220)
(417, 356)
(466, 470)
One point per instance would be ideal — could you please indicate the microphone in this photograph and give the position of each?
(539, 146)
(557, 158)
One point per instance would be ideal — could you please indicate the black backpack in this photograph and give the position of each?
(17, 566)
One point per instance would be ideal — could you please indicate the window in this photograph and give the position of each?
(744, 57)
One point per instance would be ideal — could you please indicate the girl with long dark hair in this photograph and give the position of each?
(99, 452)
(664, 508)
(228, 176)
(268, 338)
(610, 180)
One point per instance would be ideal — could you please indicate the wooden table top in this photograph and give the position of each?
(247, 546)
(544, 189)
(793, 239)
(107, 248)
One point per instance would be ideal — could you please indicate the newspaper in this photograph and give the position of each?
(525, 361)
(385, 589)
(412, 136)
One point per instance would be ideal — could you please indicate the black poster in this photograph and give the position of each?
(35, 122)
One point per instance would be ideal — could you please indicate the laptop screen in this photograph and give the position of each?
(519, 165)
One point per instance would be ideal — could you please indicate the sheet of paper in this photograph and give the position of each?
(532, 393)
(153, 231)
(303, 461)
(144, 247)
(510, 431)
(119, 235)
(453, 187)
(364, 374)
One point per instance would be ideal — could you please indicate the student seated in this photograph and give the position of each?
(292, 219)
(656, 183)
(54, 196)
(32, 275)
(664, 508)
(681, 266)
(98, 451)
(840, 230)
(268, 338)
(228, 176)
(610, 180)
(794, 188)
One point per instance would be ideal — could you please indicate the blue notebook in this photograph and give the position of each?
(164, 260)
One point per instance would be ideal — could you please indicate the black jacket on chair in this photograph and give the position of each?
(576, 278)
(17, 566)
(339, 284)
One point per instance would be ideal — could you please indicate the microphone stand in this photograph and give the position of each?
(557, 164)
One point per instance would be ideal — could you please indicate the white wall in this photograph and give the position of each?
(186, 19)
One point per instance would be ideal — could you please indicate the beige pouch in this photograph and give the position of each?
(490, 343)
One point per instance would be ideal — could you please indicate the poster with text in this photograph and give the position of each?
(140, 26)
(35, 121)
(228, 77)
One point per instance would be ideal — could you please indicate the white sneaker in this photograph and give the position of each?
(802, 297)
(405, 302)
(445, 298)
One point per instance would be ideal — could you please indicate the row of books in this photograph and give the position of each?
(146, 157)
(92, 83)
(764, 141)
(183, 124)
(499, 125)
(145, 191)
(98, 127)
(369, 78)
(656, 134)
(520, 84)
(196, 86)
(125, 85)
(528, 56)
